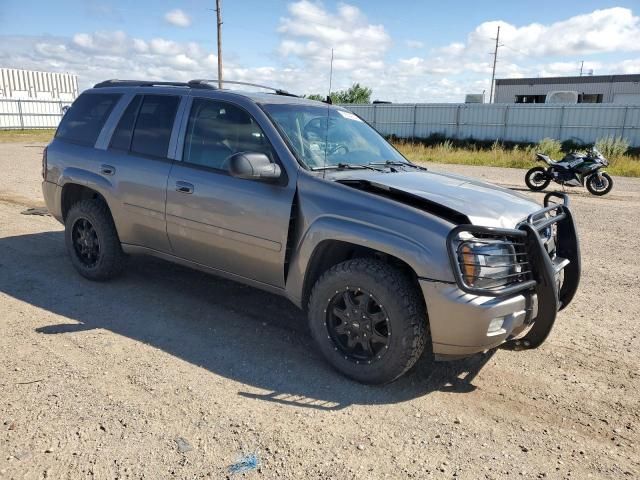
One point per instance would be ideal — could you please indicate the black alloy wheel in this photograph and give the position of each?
(92, 240)
(368, 319)
(358, 325)
(85, 242)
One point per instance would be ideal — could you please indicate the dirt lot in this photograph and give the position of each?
(109, 380)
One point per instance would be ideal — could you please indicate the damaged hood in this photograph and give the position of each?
(482, 203)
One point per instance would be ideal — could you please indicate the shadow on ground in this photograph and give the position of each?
(232, 330)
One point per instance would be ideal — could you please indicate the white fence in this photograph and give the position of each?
(24, 114)
(506, 122)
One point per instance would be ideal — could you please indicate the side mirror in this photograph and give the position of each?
(253, 166)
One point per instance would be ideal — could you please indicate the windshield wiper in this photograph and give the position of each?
(397, 163)
(346, 166)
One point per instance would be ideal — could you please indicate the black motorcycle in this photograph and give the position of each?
(574, 170)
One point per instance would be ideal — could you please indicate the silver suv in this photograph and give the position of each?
(306, 200)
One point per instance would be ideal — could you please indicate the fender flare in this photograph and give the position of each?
(418, 256)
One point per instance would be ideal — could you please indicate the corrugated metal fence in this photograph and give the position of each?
(506, 122)
(23, 114)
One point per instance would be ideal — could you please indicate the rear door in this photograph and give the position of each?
(137, 162)
(234, 225)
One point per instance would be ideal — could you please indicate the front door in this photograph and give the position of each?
(234, 225)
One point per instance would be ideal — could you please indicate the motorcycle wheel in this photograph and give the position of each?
(536, 179)
(599, 186)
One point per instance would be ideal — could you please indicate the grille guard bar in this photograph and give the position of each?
(551, 299)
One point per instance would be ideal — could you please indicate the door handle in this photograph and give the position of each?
(184, 187)
(107, 169)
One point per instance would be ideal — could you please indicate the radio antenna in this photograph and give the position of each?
(326, 132)
(330, 72)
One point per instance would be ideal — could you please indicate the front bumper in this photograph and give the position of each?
(460, 321)
(460, 316)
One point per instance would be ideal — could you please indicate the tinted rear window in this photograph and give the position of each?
(153, 127)
(121, 138)
(86, 117)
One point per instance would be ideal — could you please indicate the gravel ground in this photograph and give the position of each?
(170, 373)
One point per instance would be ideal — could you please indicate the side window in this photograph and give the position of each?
(86, 117)
(217, 130)
(153, 126)
(121, 139)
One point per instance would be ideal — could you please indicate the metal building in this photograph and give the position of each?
(618, 89)
(18, 84)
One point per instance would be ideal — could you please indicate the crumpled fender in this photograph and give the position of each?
(425, 261)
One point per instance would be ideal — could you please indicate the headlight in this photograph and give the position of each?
(488, 263)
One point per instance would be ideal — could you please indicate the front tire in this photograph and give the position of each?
(368, 320)
(536, 179)
(599, 187)
(92, 241)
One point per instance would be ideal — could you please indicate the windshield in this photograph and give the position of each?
(324, 136)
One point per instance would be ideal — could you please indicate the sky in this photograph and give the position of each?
(406, 51)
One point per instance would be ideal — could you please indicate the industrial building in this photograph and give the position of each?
(18, 84)
(617, 89)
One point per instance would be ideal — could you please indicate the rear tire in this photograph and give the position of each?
(536, 179)
(92, 241)
(599, 190)
(385, 305)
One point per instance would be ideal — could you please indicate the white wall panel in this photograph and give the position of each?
(583, 123)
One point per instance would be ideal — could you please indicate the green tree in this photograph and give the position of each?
(354, 94)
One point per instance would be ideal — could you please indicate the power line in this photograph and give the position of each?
(495, 60)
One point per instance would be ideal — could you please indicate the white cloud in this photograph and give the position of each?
(113, 42)
(601, 31)
(310, 32)
(362, 53)
(178, 18)
(531, 50)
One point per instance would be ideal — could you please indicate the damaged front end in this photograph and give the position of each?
(541, 256)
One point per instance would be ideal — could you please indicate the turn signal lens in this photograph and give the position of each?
(470, 267)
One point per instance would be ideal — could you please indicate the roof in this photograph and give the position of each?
(565, 80)
(277, 96)
(261, 97)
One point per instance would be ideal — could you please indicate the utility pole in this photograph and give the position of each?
(219, 23)
(581, 67)
(495, 59)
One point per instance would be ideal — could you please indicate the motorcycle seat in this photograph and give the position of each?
(564, 163)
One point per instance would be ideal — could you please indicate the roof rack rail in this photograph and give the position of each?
(150, 83)
(278, 91)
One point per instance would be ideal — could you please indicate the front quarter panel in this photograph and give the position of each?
(331, 211)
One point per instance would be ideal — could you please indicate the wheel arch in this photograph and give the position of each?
(331, 252)
(330, 240)
(72, 193)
